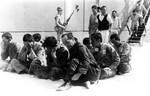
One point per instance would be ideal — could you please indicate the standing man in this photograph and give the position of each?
(140, 8)
(59, 21)
(9, 49)
(116, 25)
(104, 24)
(93, 22)
(98, 10)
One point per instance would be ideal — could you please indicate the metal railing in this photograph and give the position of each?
(145, 21)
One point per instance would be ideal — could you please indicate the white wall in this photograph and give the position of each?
(38, 15)
(28, 15)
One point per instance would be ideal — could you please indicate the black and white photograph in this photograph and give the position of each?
(74, 47)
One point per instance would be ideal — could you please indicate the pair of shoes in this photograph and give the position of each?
(23, 72)
(87, 85)
(94, 82)
(64, 87)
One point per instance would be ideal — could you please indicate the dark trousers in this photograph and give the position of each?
(92, 74)
(53, 73)
(107, 74)
(38, 70)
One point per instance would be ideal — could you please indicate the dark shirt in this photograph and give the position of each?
(104, 24)
(51, 60)
(62, 55)
(84, 56)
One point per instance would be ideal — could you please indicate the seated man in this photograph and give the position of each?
(106, 56)
(82, 67)
(8, 50)
(39, 70)
(86, 42)
(62, 55)
(28, 55)
(37, 38)
(56, 61)
(124, 51)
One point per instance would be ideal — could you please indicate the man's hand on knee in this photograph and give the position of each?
(76, 76)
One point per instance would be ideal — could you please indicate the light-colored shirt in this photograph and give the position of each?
(116, 23)
(59, 20)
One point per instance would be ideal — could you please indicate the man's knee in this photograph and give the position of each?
(107, 74)
(17, 66)
(35, 64)
(94, 74)
(56, 74)
(123, 68)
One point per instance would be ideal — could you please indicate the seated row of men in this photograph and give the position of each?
(71, 61)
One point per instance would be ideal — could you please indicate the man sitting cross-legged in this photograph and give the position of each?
(82, 67)
(106, 56)
(56, 57)
(37, 38)
(124, 51)
(9, 51)
(28, 55)
(39, 70)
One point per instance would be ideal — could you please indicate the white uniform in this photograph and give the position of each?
(116, 25)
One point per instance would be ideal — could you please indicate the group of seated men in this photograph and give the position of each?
(76, 63)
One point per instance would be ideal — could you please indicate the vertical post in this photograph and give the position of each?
(97, 3)
(83, 14)
(64, 9)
